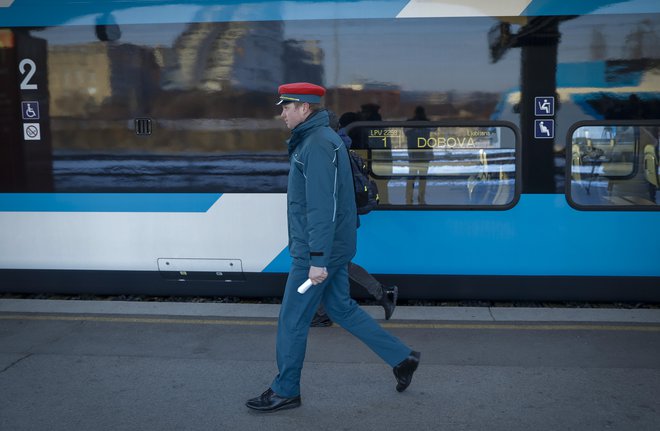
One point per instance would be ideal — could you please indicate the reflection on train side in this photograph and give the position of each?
(148, 173)
(614, 165)
(434, 165)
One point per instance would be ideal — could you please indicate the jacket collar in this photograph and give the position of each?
(300, 132)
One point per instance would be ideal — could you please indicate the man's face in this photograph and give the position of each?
(294, 114)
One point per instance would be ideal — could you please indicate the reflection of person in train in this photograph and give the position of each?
(354, 135)
(369, 112)
(418, 159)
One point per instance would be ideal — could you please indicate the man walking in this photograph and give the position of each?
(322, 220)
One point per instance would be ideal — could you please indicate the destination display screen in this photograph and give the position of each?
(429, 138)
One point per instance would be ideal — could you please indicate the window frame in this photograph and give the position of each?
(517, 189)
(569, 165)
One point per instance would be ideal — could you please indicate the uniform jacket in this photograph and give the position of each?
(321, 201)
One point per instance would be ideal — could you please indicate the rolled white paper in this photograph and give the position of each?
(303, 287)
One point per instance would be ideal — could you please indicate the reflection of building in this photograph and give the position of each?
(84, 77)
(303, 61)
(79, 76)
(352, 98)
(214, 56)
(396, 104)
(134, 77)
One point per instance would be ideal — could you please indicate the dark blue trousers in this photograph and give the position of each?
(296, 314)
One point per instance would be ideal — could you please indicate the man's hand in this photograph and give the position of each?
(317, 274)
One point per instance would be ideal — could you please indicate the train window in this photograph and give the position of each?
(208, 88)
(426, 164)
(614, 165)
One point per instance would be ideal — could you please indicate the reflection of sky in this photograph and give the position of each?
(577, 49)
(160, 34)
(358, 51)
(418, 54)
(415, 54)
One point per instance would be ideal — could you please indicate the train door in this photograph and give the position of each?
(25, 144)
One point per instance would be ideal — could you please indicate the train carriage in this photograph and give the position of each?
(514, 144)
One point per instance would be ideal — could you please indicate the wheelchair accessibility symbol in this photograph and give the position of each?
(30, 110)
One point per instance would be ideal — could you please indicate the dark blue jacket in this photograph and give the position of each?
(320, 196)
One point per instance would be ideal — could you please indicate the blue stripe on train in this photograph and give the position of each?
(22, 13)
(587, 7)
(108, 202)
(51, 13)
(542, 235)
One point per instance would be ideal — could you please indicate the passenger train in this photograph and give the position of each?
(514, 144)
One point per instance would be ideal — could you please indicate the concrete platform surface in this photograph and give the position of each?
(172, 371)
(403, 313)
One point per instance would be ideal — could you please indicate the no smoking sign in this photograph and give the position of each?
(31, 131)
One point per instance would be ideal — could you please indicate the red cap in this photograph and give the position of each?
(300, 92)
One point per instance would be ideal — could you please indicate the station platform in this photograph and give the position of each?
(112, 365)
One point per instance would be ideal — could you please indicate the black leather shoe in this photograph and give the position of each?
(404, 371)
(269, 401)
(320, 321)
(388, 301)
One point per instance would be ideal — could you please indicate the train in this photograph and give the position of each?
(514, 144)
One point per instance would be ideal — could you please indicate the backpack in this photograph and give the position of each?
(366, 190)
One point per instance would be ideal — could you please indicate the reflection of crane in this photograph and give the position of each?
(107, 29)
